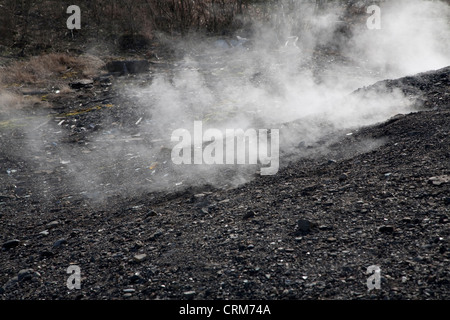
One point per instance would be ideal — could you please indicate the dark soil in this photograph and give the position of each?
(308, 232)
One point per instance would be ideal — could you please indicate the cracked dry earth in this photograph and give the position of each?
(309, 232)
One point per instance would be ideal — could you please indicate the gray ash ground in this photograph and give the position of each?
(309, 232)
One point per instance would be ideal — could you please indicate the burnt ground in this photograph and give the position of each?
(309, 232)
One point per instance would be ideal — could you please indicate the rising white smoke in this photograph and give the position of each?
(280, 74)
(414, 37)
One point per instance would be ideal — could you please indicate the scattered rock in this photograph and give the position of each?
(22, 276)
(304, 227)
(130, 290)
(248, 215)
(140, 257)
(52, 224)
(155, 235)
(25, 275)
(407, 220)
(189, 294)
(136, 278)
(151, 213)
(438, 180)
(44, 233)
(10, 244)
(204, 210)
(395, 118)
(11, 283)
(59, 243)
(386, 229)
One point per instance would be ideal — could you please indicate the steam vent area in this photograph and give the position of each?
(225, 150)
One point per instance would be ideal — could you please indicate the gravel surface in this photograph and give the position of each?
(309, 232)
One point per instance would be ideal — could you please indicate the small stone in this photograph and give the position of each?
(44, 233)
(10, 244)
(151, 213)
(155, 235)
(304, 227)
(189, 294)
(386, 229)
(25, 275)
(52, 224)
(199, 195)
(136, 278)
(11, 283)
(331, 239)
(130, 290)
(438, 180)
(59, 243)
(140, 257)
(248, 215)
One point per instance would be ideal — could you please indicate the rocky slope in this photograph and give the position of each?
(309, 232)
